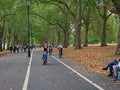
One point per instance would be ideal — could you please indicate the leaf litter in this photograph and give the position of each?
(92, 57)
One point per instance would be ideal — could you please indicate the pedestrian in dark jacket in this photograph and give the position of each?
(11, 48)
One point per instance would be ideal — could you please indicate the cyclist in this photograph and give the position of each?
(60, 49)
(45, 52)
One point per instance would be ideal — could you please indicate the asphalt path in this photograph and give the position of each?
(12, 71)
(18, 72)
(54, 76)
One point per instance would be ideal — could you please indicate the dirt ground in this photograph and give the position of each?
(92, 57)
(4, 53)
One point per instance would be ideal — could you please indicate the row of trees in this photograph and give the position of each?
(74, 22)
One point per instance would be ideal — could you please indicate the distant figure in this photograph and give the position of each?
(17, 48)
(50, 49)
(45, 50)
(14, 49)
(60, 50)
(24, 48)
(11, 48)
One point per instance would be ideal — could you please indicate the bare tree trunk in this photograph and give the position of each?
(74, 39)
(86, 36)
(9, 37)
(58, 37)
(103, 38)
(1, 34)
(1, 31)
(17, 39)
(118, 44)
(66, 33)
(65, 28)
(65, 43)
(116, 4)
(78, 26)
(116, 11)
(53, 39)
(4, 38)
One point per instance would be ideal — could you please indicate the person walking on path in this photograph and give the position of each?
(11, 48)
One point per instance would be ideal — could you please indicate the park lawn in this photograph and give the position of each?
(4, 53)
(92, 57)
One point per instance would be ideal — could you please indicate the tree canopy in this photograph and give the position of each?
(76, 22)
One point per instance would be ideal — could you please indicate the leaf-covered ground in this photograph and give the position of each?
(4, 53)
(92, 57)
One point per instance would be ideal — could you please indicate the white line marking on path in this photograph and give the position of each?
(27, 74)
(94, 84)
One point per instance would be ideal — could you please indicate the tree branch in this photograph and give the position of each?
(5, 16)
(50, 22)
(61, 2)
(109, 15)
(113, 10)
